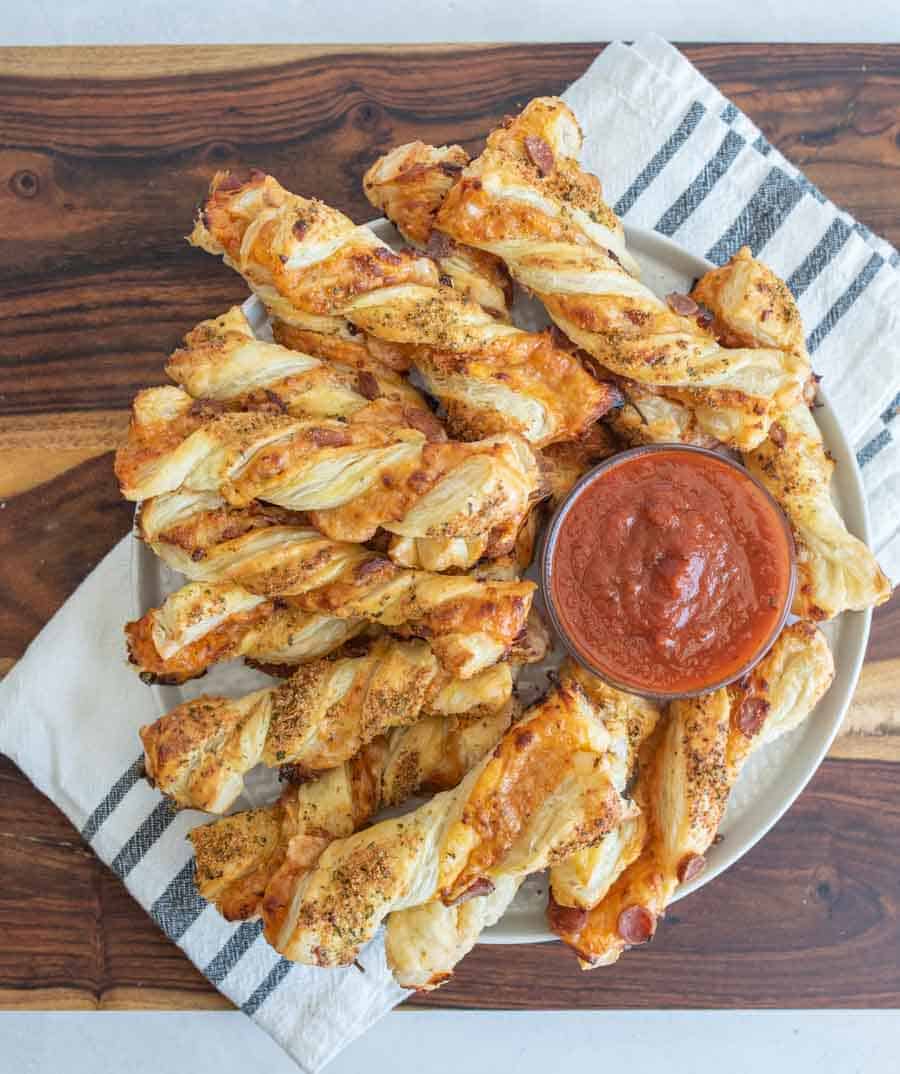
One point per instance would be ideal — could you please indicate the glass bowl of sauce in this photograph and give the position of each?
(668, 571)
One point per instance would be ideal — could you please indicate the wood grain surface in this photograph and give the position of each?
(103, 155)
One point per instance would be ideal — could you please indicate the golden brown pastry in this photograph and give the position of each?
(527, 200)
(342, 342)
(543, 793)
(433, 754)
(443, 553)
(563, 465)
(184, 523)
(683, 794)
(350, 580)
(472, 623)
(750, 306)
(582, 879)
(224, 362)
(408, 185)
(683, 789)
(489, 376)
(181, 524)
(649, 416)
(836, 572)
(472, 620)
(199, 753)
(238, 856)
(534, 643)
(424, 943)
(350, 478)
(162, 420)
(206, 623)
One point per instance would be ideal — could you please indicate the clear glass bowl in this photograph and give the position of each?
(549, 549)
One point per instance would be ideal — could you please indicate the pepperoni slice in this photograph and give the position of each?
(239, 177)
(705, 317)
(439, 245)
(385, 253)
(206, 408)
(682, 304)
(560, 339)
(425, 422)
(367, 385)
(565, 920)
(329, 437)
(373, 566)
(691, 865)
(481, 886)
(540, 153)
(752, 715)
(635, 924)
(777, 434)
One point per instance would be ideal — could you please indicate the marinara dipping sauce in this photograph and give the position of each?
(669, 570)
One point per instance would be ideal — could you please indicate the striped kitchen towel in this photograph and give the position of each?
(674, 155)
(69, 714)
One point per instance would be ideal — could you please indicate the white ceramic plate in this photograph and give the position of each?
(771, 780)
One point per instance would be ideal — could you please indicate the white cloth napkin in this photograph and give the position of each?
(673, 154)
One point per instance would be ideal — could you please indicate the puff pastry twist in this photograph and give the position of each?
(351, 478)
(836, 571)
(424, 943)
(472, 622)
(239, 856)
(199, 753)
(206, 623)
(491, 377)
(543, 793)
(409, 185)
(185, 523)
(582, 879)
(223, 361)
(683, 788)
(527, 200)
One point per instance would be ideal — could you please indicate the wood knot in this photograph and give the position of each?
(25, 183)
(367, 116)
(219, 152)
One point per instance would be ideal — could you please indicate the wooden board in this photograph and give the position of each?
(103, 155)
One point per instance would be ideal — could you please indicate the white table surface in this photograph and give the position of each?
(63, 22)
(447, 1042)
(441, 1042)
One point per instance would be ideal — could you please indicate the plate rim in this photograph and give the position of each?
(846, 678)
